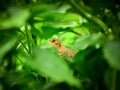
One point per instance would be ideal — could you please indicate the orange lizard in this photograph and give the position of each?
(61, 48)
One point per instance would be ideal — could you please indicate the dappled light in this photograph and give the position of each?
(59, 45)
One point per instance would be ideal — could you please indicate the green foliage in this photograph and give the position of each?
(112, 54)
(29, 62)
(58, 70)
(17, 18)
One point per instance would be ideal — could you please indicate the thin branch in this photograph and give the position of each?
(88, 16)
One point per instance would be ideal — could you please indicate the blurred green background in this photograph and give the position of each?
(29, 62)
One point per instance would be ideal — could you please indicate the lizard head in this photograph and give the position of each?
(55, 42)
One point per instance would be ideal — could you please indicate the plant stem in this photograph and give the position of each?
(114, 76)
(87, 15)
(24, 46)
(28, 41)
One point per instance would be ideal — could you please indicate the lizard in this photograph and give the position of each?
(63, 50)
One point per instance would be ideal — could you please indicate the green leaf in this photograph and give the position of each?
(112, 53)
(83, 42)
(49, 31)
(8, 40)
(80, 56)
(17, 18)
(52, 15)
(49, 64)
(61, 19)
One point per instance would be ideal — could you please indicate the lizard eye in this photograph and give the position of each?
(53, 40)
